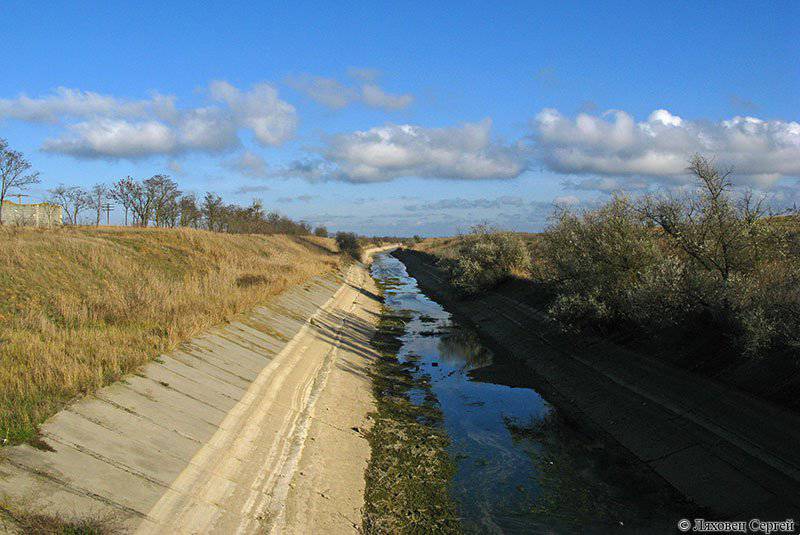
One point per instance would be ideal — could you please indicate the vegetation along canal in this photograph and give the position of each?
(520, 467)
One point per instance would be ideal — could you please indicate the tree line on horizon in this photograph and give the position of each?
(158, 201)
(155, 201)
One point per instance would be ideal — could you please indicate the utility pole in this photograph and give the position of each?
(107, 207)
(19, 197)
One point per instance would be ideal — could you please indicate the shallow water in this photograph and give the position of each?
(520, 468)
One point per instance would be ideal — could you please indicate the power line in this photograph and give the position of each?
(108, 207)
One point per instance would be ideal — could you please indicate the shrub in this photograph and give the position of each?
(486, 257)
(597, 260)
(712, 261)
(348, 244)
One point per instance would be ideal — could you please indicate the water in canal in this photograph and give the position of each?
(520, 468)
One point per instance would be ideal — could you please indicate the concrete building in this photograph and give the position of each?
(39, 215)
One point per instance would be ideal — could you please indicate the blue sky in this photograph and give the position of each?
(401, 117)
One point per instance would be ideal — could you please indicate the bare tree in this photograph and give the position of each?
(98, 196)
(141, 203)
(191, 214)
(123, 192)
(213, 209)
(14, 173)
(163, 193)
(72, 199)
(721, 233)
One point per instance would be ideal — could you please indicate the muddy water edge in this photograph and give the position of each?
(498, 458)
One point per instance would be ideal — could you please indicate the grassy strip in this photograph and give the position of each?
(82, 307)
(13, 520)
(409, 471)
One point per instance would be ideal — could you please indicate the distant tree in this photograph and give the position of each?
(321, 231)
(142, 206)
(213, 210)
(73, 199)
(98, 197)
(123, 192)
(190, 213)
(163, 193)
(14, 173)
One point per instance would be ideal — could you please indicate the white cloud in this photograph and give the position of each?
(336, 95)
(103, 126)
(326, 91)
(272, 120)
(464, 152)
(249, 164)
(377, 98)
(206, 129)
(614, 145)
(115, 138)
(66, 102)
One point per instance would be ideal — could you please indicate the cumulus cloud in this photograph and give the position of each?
(333, 94)
(464, 152)
(615, 145)
(374, 96)
(327, 91)
(248, 164)
(103, 126)
(272, 120)
(71, 103)
(115, 138)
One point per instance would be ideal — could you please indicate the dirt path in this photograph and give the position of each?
(253, 432)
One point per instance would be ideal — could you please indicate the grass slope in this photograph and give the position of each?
(81, 307)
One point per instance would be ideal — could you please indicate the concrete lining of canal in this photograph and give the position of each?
(240, 430)
(734, 456)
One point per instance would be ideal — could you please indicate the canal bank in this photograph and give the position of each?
(731, 455)
(519, 463)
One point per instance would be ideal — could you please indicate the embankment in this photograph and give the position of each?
(733, 455)
(82, 307)
(255, 425)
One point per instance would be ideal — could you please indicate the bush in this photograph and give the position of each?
(486, 257)
(598, 260)
(348, 244)
(711, 262)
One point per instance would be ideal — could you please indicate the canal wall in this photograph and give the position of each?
(732, 455)
(255, 426)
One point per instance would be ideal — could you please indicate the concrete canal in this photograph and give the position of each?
(521, 465)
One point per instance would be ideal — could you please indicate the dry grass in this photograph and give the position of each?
(81, 307)
(27, 523)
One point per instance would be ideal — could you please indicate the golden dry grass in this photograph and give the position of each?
(81, 307)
